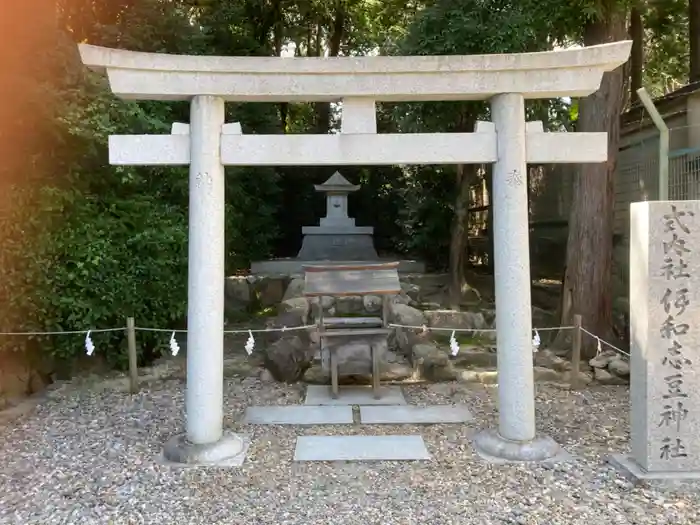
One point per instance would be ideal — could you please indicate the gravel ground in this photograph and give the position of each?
(90, 456)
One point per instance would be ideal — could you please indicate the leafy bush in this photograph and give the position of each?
(92, 263)
(95, 244)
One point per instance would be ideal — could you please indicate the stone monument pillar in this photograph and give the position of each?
(337, 238)
(665, 342)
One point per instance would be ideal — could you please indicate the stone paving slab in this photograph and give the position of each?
(353, 395)
(411, 414)
(298, 415)
(360, 448)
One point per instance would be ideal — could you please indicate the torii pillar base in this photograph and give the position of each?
(229, 451)
(493, 447)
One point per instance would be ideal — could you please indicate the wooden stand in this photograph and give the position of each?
(353, 280)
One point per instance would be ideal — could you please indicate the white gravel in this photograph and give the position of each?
(86, 456)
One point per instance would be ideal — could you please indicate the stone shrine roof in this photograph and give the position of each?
(337, 184)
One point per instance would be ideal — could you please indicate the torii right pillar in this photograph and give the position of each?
(516, 438)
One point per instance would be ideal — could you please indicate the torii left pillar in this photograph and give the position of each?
(205, 442)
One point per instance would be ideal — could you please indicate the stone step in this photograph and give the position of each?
(360, 448)
(353, 395)
(411, 414)
(298, 415)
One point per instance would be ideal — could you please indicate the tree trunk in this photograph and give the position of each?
(277, 41)
(587, 281)
(323, 109)
(694, 37)
(637, 56)
(458, 239)
(489, 221)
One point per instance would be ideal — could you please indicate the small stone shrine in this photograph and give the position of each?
(665, 341)
(336, 238)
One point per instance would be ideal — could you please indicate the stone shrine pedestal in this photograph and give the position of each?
(336, 238)
(337, 244)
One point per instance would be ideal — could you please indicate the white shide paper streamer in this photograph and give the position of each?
(454, 345)
(174, 347)
(250, 343)
(89, 345)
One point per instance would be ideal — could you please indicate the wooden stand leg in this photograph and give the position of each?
(334, 373)
(375, 371)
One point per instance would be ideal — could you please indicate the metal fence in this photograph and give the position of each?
(684, 175)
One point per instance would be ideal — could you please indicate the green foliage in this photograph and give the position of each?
(464, 27)
(110, 259)
(85, 245)
(89, 244)
(666, 46)
(426, 216)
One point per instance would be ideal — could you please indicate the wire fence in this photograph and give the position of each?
(146, 329)
(131, 329)
(600, 342)
(310, 327)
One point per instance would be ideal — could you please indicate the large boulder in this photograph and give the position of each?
(471, 356)
(353, 354)
(288, 358)
(603, 359)
(619, 366)
(237, 294)
(406, 315)
(431, 363)
(372, 304)
(299, 305)
(604, 377)
(289, 319)
(403, 339)
(412, 291)
(455, 319)
(326, 302)
(269, 290)
(473, 322)
(294, 289)
(402, 298)
(288, 355)
(546, 358)
(540, 318)
(349, 305)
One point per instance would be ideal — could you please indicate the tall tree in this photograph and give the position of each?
(666, 45)
(588, 274)
(694, 40)
(636, 63)
(468, 27)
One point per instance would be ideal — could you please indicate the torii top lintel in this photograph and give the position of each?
(154, 76)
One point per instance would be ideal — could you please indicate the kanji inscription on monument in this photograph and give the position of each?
(665, 337)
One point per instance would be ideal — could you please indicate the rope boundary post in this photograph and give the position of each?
(133, 361)
(576, 353)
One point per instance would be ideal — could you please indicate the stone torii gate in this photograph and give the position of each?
(208, 144)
